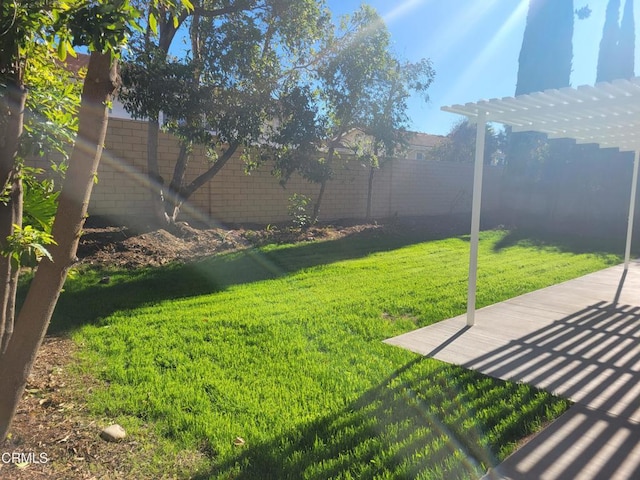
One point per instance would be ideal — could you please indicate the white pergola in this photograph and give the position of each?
(607, 114)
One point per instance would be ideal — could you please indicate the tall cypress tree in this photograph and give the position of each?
(627, 43)
(608, 54)
(616, 58)
(547, 47)
(545, 62)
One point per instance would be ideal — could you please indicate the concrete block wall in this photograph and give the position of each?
(121, 190)
(439, 188)
(403, 187)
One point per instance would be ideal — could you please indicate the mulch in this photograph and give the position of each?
(52, 435)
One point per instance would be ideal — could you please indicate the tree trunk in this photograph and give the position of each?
(316, 207)
(185, 192)
(168, 31)
(372, 173)
(35, 314)
(11, 286)
(156, 182)
(323, 183)
(174, 199)
(13, 104)
(212, 172)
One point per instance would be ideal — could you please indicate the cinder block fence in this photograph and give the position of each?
(403, 187)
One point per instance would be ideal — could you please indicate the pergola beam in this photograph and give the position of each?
(607, 113)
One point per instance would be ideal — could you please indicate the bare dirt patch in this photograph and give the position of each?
(120, 247)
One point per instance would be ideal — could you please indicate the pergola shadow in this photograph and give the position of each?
(581, 444)
(592, 357)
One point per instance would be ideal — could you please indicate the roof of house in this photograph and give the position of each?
(419, 139)
(74, 64)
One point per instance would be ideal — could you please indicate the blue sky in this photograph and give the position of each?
(474, 46)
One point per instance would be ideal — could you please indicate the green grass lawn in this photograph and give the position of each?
(282, 346)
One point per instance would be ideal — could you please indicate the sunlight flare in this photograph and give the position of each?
(490, 50)
(403, 9)
(455, 31)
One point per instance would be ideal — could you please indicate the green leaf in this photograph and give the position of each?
(25, 247)
(39, 250)
(70, 49)
(62, 51)
(153, 23)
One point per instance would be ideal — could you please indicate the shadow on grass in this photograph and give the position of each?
(428, 420)
(86, 300)
(562, 241)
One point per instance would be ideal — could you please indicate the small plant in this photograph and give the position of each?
(299, 211)
(26, 246)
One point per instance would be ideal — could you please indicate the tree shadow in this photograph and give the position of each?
(427, 419)
(87, 299)
(543, 239)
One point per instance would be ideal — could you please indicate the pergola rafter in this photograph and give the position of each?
(607, 114)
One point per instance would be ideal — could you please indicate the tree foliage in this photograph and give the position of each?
(627, 43)
(460, 145)
(361, 103)
(385, 127)
(269, 79)
(348, 76)
(606, 69)
(244, 58)
(545, 63)
(547, 47)
(386, 121)
(51, 113)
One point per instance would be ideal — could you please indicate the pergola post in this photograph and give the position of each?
(632, 207)
(475, 217)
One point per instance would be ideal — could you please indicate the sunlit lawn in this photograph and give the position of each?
(282, 347)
